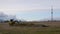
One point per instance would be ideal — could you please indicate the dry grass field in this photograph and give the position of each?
(53, 28)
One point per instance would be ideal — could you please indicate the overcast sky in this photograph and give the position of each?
(30, 9)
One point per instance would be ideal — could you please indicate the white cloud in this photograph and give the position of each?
(15, 6)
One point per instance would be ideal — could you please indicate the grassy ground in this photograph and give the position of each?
(6, 29)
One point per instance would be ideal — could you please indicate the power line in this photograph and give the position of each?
(51, 13)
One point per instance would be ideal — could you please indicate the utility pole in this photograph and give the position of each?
(51, 13)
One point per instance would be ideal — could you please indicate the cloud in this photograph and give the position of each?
(4, 16)
(18, 6)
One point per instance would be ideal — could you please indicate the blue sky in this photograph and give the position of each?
(30, 9)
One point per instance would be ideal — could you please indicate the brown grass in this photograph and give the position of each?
(54, 28)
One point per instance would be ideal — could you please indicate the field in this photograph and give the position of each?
(54, 28)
